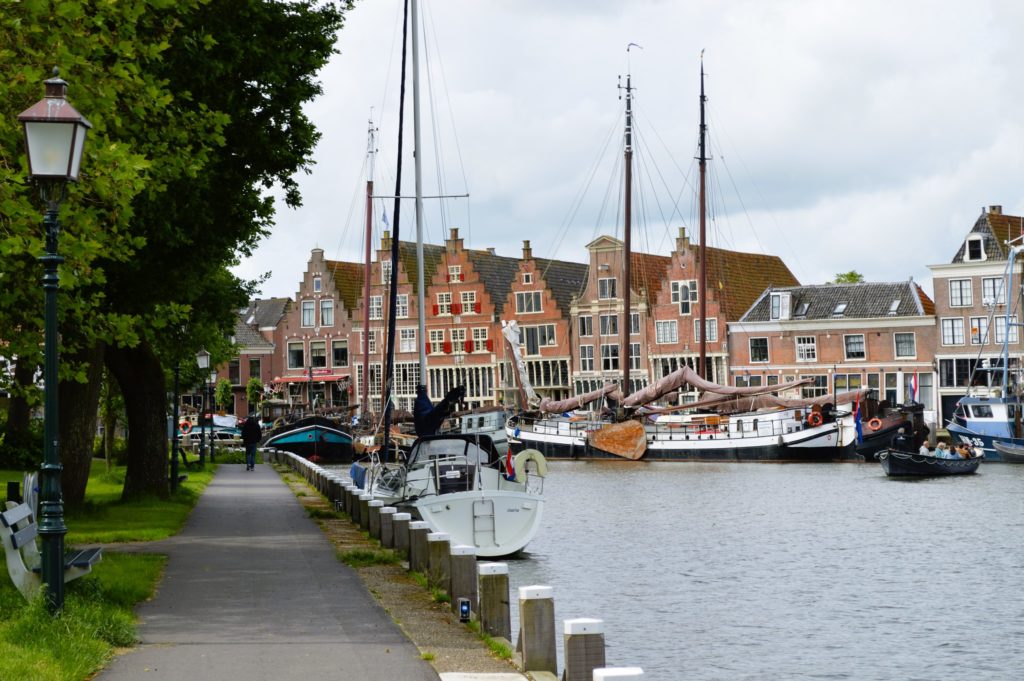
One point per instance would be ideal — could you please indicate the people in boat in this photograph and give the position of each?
(428, 418)
(901, 442)
(963, 451)
(924, 451)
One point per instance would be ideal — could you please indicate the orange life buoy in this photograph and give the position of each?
(875, 423)
(186, 427)
(815, 419)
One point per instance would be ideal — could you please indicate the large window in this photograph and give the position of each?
(537, 337)
(339, 350)
(758, 349)
(666, 331)
(407, 340)
(993, 291)
(609, 325)
(960, 293)
(816, 389)
(402, 306)
(327, 312)
(953, 331)
(376, 307)
(606, 288)
(906, 345)
(1001, 330)
(480, 339)
(586, 325)
(234, 372)
(444, 303)
(458, 340)
(407, 377)
(844, 382)
(685, 294)
(436, 340)
(468, 302)
(308, 312)
(586, 358)
(634, 356)
(854, 346)
(254, 367)
(528, 302)
(806, 348)
(955, 373)
(609, 357)
(711, 325)
(979, 330)
(296, 355)
(318, 354)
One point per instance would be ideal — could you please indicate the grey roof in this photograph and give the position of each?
(565, 279)
(497, 272)
(264, 313)
(995, 229)
(863, 301)
(249, 339)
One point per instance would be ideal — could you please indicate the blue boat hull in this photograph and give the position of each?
(315, 442)
(981, 441)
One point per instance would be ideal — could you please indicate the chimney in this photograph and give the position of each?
(527, 251)
(682, 241)
(454, 243)
(490, 250)
(995, 210)
(385, 241)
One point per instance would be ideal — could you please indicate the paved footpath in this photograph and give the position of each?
(253, 592)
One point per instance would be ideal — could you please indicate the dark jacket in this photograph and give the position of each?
(251, 431)
(428, 418)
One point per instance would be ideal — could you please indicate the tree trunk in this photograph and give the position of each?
(141, 379)
(16, 432)
(78, 405)
(109, 419)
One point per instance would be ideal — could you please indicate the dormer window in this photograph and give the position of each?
(801, 310)
(840, 309)
(975, 249)
(776, 306)
(894, 306)
(317, 286)
(780, 305)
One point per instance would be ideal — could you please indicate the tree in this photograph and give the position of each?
(254, 393)
(222, 394)
(851, 277)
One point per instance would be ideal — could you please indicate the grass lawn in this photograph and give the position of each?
(97, 616)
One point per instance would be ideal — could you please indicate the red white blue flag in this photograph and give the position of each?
(510, 469)
(913, 387)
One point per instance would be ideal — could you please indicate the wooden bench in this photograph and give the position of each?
(18, 532)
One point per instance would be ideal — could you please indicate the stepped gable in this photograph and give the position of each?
(736, 279)
(565, 280)
(497, 272)
(863, 301)
(433, 256)
(996, 229)
(648, 271)
(348, 280)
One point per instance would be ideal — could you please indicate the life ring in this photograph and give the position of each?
(815, 419)
(185, 427)
(519, 463)
(875, 423)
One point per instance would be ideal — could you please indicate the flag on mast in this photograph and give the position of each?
(913, 387)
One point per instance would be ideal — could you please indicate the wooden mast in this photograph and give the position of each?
(371, 150)
(702, 282)
(627, 229)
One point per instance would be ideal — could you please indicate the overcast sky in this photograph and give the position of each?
(845, 135)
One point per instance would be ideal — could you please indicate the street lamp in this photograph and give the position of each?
(54, 141)
(213, 386)
(203, 360)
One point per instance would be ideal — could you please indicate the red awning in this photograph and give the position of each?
(325, 378)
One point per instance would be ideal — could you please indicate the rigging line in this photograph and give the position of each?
(395, 33)
(687, 181)
(644, 165)
(344, 233)
(739, 198)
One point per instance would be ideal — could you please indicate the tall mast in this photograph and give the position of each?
(702, 281)
(417, 152)
(371, 151)
(627, 229)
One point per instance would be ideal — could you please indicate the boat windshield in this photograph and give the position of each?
(429, 450)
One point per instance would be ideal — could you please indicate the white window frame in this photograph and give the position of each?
(775, 307)
(896, 345)
(711, 324)
(666, 331)
(806, 348)
(385, 271)
(335, 344)
(687, 300)
(610, 358)
(318, 354)
(327, 312)
(863, 347)
(527, 277)
(586, 358)
(983, 337)
(958, 298)
(300, 345)
(981, 249)
(535, 302)
(444, 303)
(376, 307)
(634, 356)
(407, 340)
(317, 285)
(308, 312)
(606, 291)
(634, 323)
(436, 340)
(993, 289)
(458, 341)
(767, 350)
(606, 322)
(586, 329)
(480, 335)
(372, 345)
(454, 273)
(953, 326)
(402, 306)
(1000, 332)
(468, 300)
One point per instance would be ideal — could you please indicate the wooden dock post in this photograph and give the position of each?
(462, 581)
(374, 506)
(387, 526)
(537, 628)
(584, 648)
(619, 673)
(439, 560)
(418, 531)
(351, 498)
(495, 617)
(364, 511)
(401, 538)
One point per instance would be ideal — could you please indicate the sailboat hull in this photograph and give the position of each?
(318, 440)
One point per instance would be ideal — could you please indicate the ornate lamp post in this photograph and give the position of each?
(213, 386)
(203, 360)
(54, 140)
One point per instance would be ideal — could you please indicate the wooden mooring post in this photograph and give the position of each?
(583, 644)
(462, 581)
(537, 628)
(387, 526)
(495, 616)
(401, 538)
(374, 525)
(439, 560)
(418, 531)
(364, 511)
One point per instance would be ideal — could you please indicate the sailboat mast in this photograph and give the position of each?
(702, 282)
(417, 152)
(627, 229)
(371, 151)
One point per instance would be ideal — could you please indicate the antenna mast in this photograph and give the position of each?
(702, 283)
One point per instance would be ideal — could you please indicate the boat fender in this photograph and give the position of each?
(519, 463)
(815, 419)
(185, 427)
(875, 423)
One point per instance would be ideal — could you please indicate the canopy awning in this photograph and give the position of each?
(317, 378)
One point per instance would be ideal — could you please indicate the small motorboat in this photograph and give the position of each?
(897, 463)
(1011, 453)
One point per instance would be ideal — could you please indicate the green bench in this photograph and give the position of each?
(18, 532)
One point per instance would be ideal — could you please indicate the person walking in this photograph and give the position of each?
(252, 433)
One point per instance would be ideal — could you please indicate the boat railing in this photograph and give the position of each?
(747, 427)
(453, 473)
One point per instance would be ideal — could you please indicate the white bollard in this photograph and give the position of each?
(618, 673)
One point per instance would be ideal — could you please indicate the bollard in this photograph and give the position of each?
(347, 497)
(418, 531)
(584, 648)
(401, 538)
(494, 615)
(374, 506)
(439, 560)
(387, 526)
(622, 673)
(537, 628)
(364, 511)
(462, 582)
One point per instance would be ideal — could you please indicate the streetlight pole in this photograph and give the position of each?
(203, 360)
(54, 139)
(174, 431)
(213, 387)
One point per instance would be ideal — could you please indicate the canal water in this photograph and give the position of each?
(769, 571)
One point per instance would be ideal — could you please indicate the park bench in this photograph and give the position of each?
(18, 532)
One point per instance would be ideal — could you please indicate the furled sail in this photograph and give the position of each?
(736, 404)
(576, 401)
(510, 330)
(687, 376)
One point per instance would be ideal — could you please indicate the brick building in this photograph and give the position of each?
(255, 336)
(971, 306)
